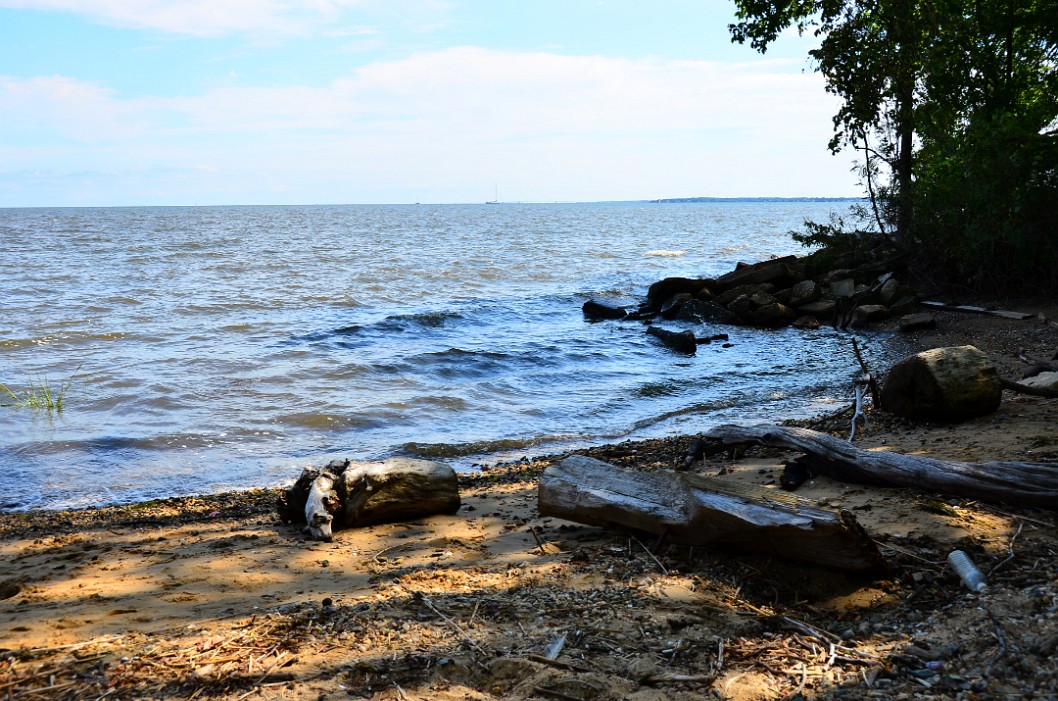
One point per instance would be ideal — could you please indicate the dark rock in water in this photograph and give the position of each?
(710, 339)
(904, 306)
(762, 299)
(917, 322)
(867, 313)
(806, 322)
(803, 292)
(597, 310)
(705, 312)
(742, 307)
(704, 294)
(640, 315)
(821, 309)
(771, 315)
(781, 271)
(679, 341)
(889, 290)
(734, 293)
(845, 287)
(662, 290)
(672, 305)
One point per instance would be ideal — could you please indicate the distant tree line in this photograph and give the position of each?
(953, 106)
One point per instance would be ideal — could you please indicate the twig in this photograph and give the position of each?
(556, 664)
(652, 679)
(857, 414)
(536, 537)
(455, 626)
(822, 635)
(652, 557)
(77, 646)
(1010, 549)
(386, 550)
(1023, 517)
(1026, 389)
(1001, 637)
(875, 391)
(272, 666)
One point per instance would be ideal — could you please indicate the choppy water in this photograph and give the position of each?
(225, 347)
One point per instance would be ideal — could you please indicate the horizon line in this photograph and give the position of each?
(661, 200)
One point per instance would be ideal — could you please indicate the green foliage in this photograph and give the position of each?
(838, 246)
(954, 106)
(987, 184)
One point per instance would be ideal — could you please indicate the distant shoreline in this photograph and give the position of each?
(682, 200)
(665, 200)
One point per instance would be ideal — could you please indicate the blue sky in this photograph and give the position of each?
(104, 102)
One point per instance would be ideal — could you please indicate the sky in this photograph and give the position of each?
(198, 102)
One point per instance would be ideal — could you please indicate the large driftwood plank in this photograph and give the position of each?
(1020, 316)
(1025, 483)
(696, 510)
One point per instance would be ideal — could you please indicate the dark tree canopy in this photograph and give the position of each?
(953, 104)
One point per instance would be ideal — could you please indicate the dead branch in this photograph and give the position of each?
(1026, 483)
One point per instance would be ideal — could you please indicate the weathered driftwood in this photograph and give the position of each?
(395, 489)
(1023, 388)
(696, 510)
(679, 341)
(355, 494)
(1020, 316)
(595, 311)
(320, 507)
(943, 385)
(1024, 483)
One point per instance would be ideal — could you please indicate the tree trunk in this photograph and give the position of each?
(1023, 483)
(396, 489)
(943, 385)
(347, 494)
(696, 510)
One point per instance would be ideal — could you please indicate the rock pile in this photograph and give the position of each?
(772, 294)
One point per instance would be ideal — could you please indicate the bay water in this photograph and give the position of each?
(212, 348)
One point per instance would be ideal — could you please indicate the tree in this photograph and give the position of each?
(988, 159)
(869, 55)
(960, 98)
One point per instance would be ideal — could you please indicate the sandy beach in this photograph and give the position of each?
(214, 597)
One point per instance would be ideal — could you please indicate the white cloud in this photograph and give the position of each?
(547, 126)
(207, 18)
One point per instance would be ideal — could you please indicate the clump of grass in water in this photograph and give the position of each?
(40, 395)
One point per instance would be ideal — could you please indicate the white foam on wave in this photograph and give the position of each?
(663, 253)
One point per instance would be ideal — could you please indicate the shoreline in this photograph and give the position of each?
(213, 595)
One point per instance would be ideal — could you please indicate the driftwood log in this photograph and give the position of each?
(695, 510)
(1020, 316)
(943, 385)
(364, 493)
(1023, 483)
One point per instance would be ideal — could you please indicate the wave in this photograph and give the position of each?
(422, 319)
(469, 449)
(663, 253)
